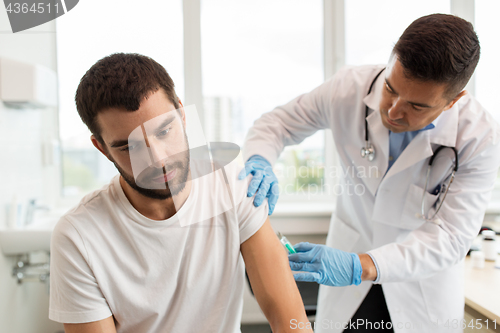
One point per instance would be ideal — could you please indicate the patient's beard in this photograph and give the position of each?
(172, 187)
(160, 194)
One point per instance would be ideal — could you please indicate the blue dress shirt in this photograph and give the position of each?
(399, 141)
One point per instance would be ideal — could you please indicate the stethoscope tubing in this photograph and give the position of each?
(452, 177)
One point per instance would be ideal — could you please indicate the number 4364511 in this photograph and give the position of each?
(37, 8)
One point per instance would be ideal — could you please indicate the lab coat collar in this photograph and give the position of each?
(373, 99)
(446, 128)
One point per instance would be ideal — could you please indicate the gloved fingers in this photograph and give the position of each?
(261, 193)
(301, 266)
(307, 277)
(273, 194)
(295, 266)
(274, 189)
(300, 257)
(249, 167)
(268, 169)
(304, 246)
(255, 182)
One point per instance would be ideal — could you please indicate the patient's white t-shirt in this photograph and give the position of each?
(154, 276)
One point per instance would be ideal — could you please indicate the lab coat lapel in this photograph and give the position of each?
(379, 138)
(445, 133)
(418, 149)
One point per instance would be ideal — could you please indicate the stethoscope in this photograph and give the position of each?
(368, 151)
(442, 190)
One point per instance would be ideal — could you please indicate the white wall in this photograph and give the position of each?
(24, 308)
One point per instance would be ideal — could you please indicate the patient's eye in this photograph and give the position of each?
(164, 132)
(130, 147)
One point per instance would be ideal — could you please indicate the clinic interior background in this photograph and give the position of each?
(234, 60)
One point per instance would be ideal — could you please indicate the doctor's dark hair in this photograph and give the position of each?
(121, 80)
(440, 48)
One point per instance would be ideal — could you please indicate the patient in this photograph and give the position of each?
(138, 255)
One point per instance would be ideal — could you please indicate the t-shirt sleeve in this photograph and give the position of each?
(250, 218)
(75, 296)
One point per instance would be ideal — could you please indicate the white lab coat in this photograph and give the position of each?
(421, 263)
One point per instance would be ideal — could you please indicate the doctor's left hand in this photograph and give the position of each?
(325, 265)
(264, 180)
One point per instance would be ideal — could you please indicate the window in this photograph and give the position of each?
(487, 27)
(94, 30)
(257, 55)
(371, 33)
(487, 73)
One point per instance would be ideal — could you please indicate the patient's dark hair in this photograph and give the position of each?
(440, 48)
(121, 80)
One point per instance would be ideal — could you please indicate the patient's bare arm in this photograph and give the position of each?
(272, 281)
(102, 326)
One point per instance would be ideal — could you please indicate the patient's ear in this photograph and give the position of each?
(100, 146)
(182, 113)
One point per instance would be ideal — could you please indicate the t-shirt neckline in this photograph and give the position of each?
(138, 217)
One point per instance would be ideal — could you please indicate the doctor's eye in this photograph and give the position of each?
(416, 108)
(389, 90)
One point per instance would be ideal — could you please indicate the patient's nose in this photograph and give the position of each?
(159, 155)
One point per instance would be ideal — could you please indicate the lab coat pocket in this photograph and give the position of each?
(343, 236)
(412, 212)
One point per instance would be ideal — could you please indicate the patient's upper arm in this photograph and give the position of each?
(271, 278)
(102, 326)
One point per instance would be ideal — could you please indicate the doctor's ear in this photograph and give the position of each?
(453, 101)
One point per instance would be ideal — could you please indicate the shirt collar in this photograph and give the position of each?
(430, 126)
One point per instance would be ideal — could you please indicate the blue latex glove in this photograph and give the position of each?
(325, 265)
(263, 179)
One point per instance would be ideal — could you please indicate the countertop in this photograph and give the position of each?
(482, 289)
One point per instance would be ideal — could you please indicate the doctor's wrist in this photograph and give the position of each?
(369, 270)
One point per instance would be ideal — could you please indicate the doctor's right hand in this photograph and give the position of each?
(325, 265)
(263, 179)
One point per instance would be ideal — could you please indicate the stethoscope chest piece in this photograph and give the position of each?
(368, 152)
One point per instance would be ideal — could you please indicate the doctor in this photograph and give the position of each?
(398, 263)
